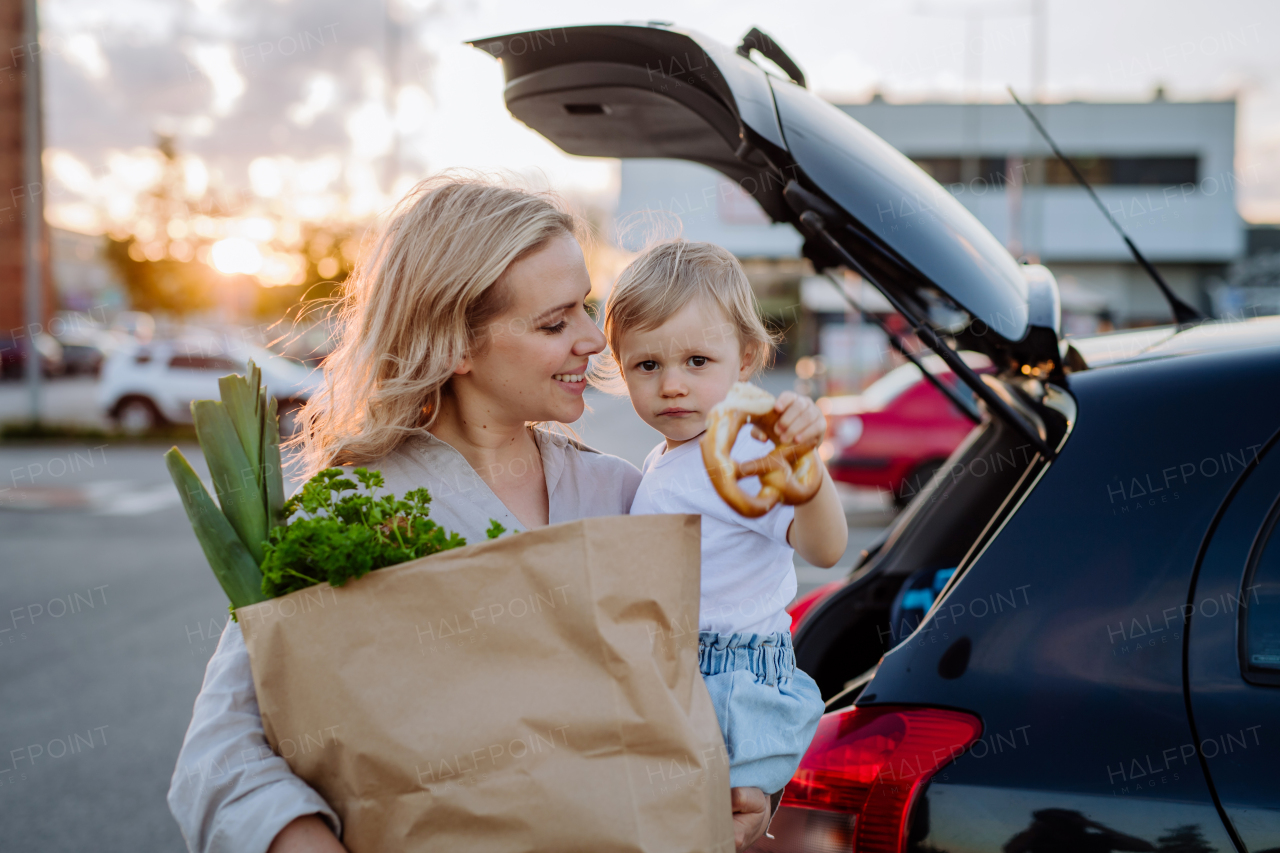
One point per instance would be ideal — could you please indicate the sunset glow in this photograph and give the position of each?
(236, 255)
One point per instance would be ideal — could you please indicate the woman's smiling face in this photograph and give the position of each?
(533, 362)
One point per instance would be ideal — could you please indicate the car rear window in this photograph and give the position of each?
(202, 362)
(1261, 599)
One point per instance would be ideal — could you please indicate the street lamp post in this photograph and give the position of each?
(32, 147)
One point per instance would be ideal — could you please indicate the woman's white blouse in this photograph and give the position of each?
(229, 791)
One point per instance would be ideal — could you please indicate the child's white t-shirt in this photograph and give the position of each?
(748, 569)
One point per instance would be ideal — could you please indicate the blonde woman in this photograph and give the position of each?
(466, 326)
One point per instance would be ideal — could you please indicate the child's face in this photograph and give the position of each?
(678, 371)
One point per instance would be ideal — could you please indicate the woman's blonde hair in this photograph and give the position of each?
(416, 304)
(665, 278)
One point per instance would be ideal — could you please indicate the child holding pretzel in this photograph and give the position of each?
(682, 330)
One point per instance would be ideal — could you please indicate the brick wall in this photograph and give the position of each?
(12, 195)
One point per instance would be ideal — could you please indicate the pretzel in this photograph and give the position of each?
(790, 473)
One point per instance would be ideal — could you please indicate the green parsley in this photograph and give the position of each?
(341, 532)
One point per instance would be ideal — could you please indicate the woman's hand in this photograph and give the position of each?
(750, 816)
(307, 834)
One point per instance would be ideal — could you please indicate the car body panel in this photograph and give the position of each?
(1084, 654)
(172, 374)
(1130, 346)
(1237, 723)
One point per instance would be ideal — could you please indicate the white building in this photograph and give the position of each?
(1165, 170)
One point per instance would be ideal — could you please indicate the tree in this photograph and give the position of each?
(168, 262)
(157, 261)
(165, 285)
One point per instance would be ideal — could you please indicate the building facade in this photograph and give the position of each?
(1166, 171)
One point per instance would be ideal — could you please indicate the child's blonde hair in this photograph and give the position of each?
(664, 279)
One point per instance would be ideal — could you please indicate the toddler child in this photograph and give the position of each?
(682, 328)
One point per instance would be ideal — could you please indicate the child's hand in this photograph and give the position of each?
(801, 420)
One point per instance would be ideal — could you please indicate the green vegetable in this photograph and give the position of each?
(241, 402)
(235, 478)
(232, 564)
(272, 470)
(252, 412)
(344, 536)
(334, 540)
(241, 443)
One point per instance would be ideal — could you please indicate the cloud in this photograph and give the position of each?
(83, 51)
(69, 171)
(217, 62)
(412, 106)
(319, 95)
(297, 79)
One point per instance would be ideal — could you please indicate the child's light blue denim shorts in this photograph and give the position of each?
(768, 710)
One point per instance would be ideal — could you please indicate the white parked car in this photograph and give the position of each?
(146, 385)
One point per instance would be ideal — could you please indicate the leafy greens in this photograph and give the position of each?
(343, 533)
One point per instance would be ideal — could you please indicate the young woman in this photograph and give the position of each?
(467, 326)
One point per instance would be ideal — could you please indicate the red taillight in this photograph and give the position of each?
(806, 602)
(871, 762)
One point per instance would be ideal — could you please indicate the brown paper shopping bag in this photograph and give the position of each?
(535, 693)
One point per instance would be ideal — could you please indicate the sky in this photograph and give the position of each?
(332, 108)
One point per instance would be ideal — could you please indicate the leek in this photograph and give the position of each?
(235, 478)
(230, 560)
(241, 443)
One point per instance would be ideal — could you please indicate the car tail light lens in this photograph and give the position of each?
(806, 602)
(865, 767)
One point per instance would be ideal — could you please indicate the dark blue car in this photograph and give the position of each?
(1070, 639)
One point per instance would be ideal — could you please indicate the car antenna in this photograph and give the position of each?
(1183, 313)
(967, 408)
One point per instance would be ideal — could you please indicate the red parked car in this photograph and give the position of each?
(899, 431)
